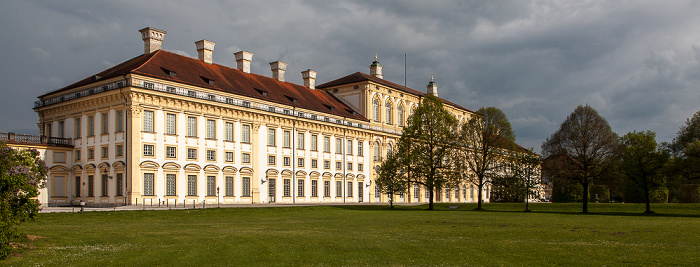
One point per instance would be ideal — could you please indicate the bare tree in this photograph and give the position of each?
(587, 144)
(486, 143)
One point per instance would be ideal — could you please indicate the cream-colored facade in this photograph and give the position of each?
(143, 138)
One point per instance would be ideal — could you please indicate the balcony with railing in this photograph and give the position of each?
(35, 139)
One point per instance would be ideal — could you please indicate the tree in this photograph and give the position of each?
(641, 161)
(392, 178)
(486, 141)
(426, 147)
(526, 169)
(586, 144)
(686, 148)
(22, 174)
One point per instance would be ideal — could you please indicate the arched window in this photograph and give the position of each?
(376, 109)
(389, 110)
(388, 150)
(376, 151)
(400, 117)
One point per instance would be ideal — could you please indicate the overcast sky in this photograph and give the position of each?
(636, 62)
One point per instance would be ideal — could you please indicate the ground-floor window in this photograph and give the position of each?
(314, 188)
(245, 186)
(349, 188)
(120, 184)
(91, 186)
(286, 188)
(447, 194)
(300, 188)
(211, 186)
(148, 184)
(338, 188)
(170, 185)
(77, 186)
(229, 186)
(191, 185)
(327, 188)
(416, 192)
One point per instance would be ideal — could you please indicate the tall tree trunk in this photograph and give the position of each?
(481, 189)
(585, 197)
(647, 199)
(430, 199)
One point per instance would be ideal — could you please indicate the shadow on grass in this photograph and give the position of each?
(512, 208)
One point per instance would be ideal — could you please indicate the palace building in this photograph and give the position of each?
(166, 128)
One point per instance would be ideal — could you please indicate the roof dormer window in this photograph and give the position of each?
(263, 93)
(207, 80)
(294, 100)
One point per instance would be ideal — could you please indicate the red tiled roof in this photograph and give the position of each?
(362, 77)
(192, 71)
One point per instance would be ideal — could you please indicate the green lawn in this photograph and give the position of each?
(553, 234)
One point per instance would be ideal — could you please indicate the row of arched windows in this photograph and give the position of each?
(388, 112)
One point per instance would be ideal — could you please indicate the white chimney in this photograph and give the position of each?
(376, 69)
(309, 77)
(152, 39)
(278, 69)
(432, 87)
(243, 60)
(204, 50)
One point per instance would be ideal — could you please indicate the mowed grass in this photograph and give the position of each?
(553, 234)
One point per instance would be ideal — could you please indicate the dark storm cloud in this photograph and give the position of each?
(636, 62)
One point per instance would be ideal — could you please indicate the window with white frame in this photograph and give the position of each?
(300, 162)
(286, 161)
(285, 140)
(211, 129)
(211, 186)
(148, 150)
(211, 155)
(338, 165)
(192, 126)
(147, 121)
(314, 142)
(148, 184)
(170, 152)
(105, 123)
(170, 185)
(286, 191)
(339, 188)
(191, 185)
(229, 186)
(400, 117)
(326, 164)
(348, 147)
(300, 140)
(338, 145)
(245, 186)
(314, 188)
(377, 149)
(326, 144)
(300, 188)
(91, 126)
(228, 135)
(228, 156)
(375, 105)
(191, 153)
(271, 160)
(326, 188)
(170, 124)
(314, 163)
(245, 158)
(119, 121)
(245, 133)
(389, 110)
(271, 137)
(349, 189)
(360, 167)
(349, 166)
(359, 148)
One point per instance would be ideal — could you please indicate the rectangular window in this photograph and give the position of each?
(147, 121)
(170, 152)
(120, 184)
(286, 188)
(119, 122)
(286, 143)
(61, 129)
(314, 142)
(338, 146)
(105, 185)
(349, 189)
(229, 186)
(77, 186)
(91, 153)
(229, 132)
(348, 148)
(314, 188)
(211, 155)
(359, 148)
(360, 167)
(326, 188)
(339, 188)
(314, 163)
(270, 160)
(170, 185)
(211, 129)
(105, 152)
(245, 158)
(119, 150)
(338, 165)
(105, 123)
(91, 126)
(211, 186)
(191, 153)
(300, 188)
(229, 156)
(192, 126)
(191, 185)
(349, 166)
(91, 186)
(271, 137)
(245, 186)
(170, 124)
(245, 133)
(300, 140)
(326, 164)
(148, 150)
(77, 155)
(77, 128)
(148, 184)
(286, 161)
(326, 144)
(300, 162)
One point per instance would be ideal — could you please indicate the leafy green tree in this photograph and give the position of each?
(426, 147)
(486, 141)
(686, 148)
(641, 161)
(586, 144)
(526, 169)
(22, 174)
(392, 178)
